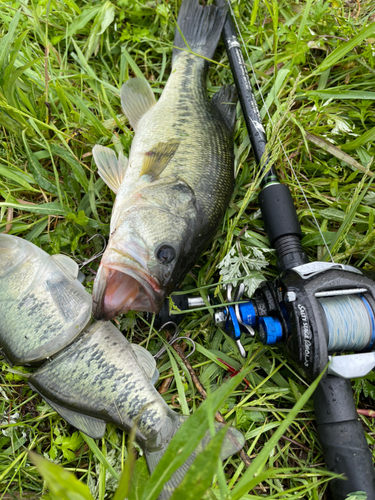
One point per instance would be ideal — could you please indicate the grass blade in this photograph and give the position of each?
(335, 151)
(344, 48)
(363, 139)
(187, 438)
(128, 470)
(99, 455)
(77, 168)
(139, 479)
(7, 40)
(342, 94)
(61, 482)
(242, 487)
(179, 384)
(201, 472)
(52, 208)
(352, 210)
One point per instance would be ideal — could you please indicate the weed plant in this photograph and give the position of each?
(62, 65)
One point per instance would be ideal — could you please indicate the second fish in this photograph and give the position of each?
(173, 191)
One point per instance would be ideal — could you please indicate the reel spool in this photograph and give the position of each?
(350, 323)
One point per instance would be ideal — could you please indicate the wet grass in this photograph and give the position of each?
(61, 68)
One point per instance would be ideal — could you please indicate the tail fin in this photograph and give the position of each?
(233, 443)
(201, 28)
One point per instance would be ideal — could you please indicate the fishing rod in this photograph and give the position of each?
(315, 309)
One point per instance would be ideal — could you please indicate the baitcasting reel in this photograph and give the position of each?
(315, 310)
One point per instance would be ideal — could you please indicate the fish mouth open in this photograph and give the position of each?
(120, 289)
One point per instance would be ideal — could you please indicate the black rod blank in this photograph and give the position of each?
(249, 106)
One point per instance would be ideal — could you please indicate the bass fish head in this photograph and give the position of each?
(23, 264)
(147, 254)
(43, 306)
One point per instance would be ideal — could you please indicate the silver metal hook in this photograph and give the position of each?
(186, 338)
(176, 329)
(174, 336)
(229, 292)
(174, 339)
(94, 257)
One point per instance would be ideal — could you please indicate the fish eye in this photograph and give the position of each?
(165, 254)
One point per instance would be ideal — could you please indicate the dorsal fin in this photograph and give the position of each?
(137, 98)
(158, 158)
(67, 264)
(146, 361)
(110, 169)
(225, 102)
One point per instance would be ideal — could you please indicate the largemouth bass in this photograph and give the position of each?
(172, 193)
(91, 374)
(43, 307)
(103, 378)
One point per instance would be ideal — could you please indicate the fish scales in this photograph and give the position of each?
(173, 193)
(104, 373)
(179, 114)
(107, 383)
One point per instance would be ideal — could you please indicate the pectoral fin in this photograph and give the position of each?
(147, 362)
(137, 98)
(67, 264)
(110, 169)
(158, 158)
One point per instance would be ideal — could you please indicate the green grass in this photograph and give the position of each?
(61, 68)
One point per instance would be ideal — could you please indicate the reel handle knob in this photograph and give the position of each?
(270, 330)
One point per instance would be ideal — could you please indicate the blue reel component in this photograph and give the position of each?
(248, 314)
(372, 319)
(247, 317)
(270, 330)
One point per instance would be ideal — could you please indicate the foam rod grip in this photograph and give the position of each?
(343, 439)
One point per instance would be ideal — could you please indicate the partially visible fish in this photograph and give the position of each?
(173, 191)
(103, 378)
(93, 375)
(43, 307)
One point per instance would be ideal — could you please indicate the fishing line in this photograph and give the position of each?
(350, 323)
(279, 140)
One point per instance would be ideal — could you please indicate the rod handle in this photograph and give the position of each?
(282, 225)
(343, 439)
